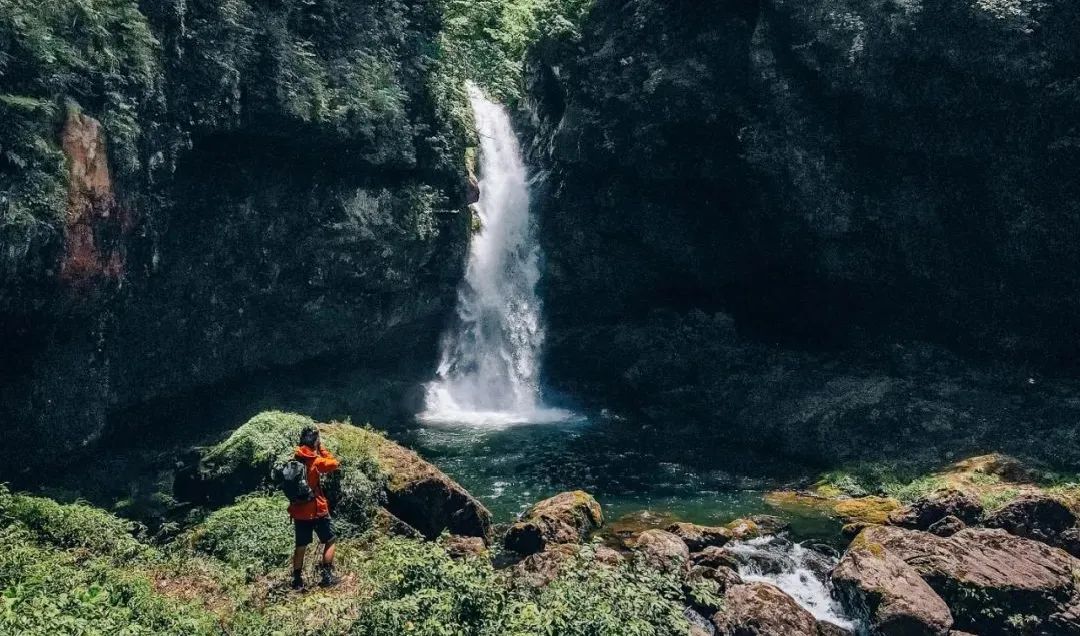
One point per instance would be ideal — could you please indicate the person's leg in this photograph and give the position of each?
(326, 537)
(298, 558)
(303, 531)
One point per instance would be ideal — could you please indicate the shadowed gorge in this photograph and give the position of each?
(540, 317)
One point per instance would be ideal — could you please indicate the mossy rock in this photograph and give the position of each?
(374, 470)
(254, 533)
(244, 462)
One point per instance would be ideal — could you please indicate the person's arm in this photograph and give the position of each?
(325, 462)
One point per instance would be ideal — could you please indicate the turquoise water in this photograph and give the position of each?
(626, 469)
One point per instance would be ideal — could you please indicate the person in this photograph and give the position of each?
(313, 516)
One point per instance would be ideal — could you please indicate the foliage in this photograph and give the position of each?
(489, 39)
(100, 54)
(254, 533)
(419, 589)
(45, 592)
(590, 600)
(910, 491)
(994, 499)
(71, 525)
(263, 441)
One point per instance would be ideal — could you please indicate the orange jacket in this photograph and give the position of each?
(317, 464)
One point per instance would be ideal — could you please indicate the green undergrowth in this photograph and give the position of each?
(74, 569)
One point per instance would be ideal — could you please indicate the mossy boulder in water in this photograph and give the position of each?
(373, 470)
(568, 517)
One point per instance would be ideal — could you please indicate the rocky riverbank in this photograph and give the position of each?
(984, 547)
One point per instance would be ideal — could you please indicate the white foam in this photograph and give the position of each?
(488, 372)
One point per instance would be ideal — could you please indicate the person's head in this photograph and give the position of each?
(309, 437)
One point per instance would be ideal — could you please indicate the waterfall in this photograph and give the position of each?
(489, 366)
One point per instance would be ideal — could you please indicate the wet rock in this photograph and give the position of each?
(461, 547)
(608, 556)
(769, 524)
(1070, 541)
(760, 609)
(386, 523)
(887, 591)
(698, 537)
(699, 625)
(850, 530)
(427, 499)
(988, 578)
(537, 570)
(662, 550)
(825, 628)
(1038, 517)
(719, 578)
(568, 517)
(744, 529)
(946, 526)
(714, 557)
(1066, 620)
(936, 506)
(865, 510)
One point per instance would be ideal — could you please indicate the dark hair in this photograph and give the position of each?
(309, 436)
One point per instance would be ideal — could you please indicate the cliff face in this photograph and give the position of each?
(291, 188)
(835, 176)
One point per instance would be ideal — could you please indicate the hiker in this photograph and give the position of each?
(313, 515)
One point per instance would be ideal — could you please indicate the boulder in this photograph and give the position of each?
(568, 517)
(988, 578)
(714, 557)
(946, 526)
(427, 499)
(760, 609)
(1035, 516)
(923, 512)
(662, 550)
(865, 510)
(541, 568)
(769, 524)
(892, 596)
(697, 537)
(460, 547)
(608, 556)
(744, 529)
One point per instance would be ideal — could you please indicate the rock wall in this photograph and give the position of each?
(298, 195)
(836, 177)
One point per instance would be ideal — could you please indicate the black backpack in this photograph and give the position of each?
(292, 476)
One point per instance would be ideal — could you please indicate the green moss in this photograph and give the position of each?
(910, 491)
(264, 440)
(71, 525)
(100, 54)
(995, 499)
(254, 533)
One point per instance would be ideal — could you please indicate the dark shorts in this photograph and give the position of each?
(305, 528)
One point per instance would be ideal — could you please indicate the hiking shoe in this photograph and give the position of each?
(328, 579)
(297, 581)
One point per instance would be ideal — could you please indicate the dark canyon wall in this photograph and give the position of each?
(228, 187)
(780, 218)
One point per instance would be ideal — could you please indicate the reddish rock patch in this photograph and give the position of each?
(95, 224)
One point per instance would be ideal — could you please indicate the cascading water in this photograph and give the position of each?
(797, 570)
(489, 367)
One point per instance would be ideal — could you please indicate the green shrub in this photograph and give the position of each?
(255, 533)
(588, 599)
(44, 591)
(72, 526)
(419, 589)
(910, 491)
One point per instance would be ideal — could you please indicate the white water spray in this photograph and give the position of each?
(489, 368)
